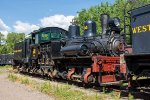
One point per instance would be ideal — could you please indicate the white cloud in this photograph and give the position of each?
(4, 29)
(3, 26)
(50, 21)
(23, 27)
(57, 21)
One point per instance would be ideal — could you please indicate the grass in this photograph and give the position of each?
(12, 77)
(4, 69)
(61, 91)
(25, 81)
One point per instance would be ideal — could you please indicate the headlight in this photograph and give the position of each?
(114, 22)
(117, 22)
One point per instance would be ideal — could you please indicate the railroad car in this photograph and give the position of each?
(6, 59)
(138, 62)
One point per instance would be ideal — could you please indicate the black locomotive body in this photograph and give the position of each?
(81, 56)
(109, 43)
(90, 58)
(6, 59)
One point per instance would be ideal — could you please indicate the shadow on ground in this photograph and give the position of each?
(143, 94)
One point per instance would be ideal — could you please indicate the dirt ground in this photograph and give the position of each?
(16, 91)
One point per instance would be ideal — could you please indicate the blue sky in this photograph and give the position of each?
(31, 12)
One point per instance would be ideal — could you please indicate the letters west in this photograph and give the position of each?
(140, 29)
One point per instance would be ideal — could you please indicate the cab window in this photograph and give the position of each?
(45, 36)
(55, 35)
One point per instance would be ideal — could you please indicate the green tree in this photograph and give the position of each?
(3, 48)
(13, 38)
(114, 10)
(2, 39)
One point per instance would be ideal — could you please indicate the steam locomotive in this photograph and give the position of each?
(93, 58)
(90, 58)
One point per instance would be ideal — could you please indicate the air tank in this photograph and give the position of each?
(104, 22)
(74, 50)
(89, 29)
(74, 31)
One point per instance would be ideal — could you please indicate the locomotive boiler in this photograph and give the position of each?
(110, 42)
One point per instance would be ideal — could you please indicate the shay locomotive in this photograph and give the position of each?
(65, 54)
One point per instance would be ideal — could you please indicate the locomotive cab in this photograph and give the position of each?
(46, 46)
(49, 40)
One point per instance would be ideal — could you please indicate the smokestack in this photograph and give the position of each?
(104, 22)
(74, 30)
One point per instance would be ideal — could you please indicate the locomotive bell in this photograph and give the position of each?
(104, 22)
(74, 31)
(89, 29)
